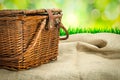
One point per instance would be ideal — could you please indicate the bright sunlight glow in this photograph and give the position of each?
(72, 19)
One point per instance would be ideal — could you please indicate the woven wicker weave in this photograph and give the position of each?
(29, 38)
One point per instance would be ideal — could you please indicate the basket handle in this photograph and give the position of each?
(36, 37)
(67, 35)
(51, 23)
(32, 44)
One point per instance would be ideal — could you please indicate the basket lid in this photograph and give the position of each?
(26, 12)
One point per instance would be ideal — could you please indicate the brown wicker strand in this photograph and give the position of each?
(29, 38)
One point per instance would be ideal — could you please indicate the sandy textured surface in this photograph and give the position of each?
(81, 57)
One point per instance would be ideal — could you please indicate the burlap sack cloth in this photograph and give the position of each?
(81, 57)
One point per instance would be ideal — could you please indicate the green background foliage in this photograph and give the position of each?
(77, 14)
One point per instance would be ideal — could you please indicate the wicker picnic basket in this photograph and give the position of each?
(29, 38)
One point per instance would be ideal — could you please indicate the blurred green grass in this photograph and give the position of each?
(72, 30)
(93, 16)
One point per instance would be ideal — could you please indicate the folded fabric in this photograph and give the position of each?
(105, 44)
(82, 57)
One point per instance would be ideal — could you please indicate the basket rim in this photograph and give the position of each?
(25, 12)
